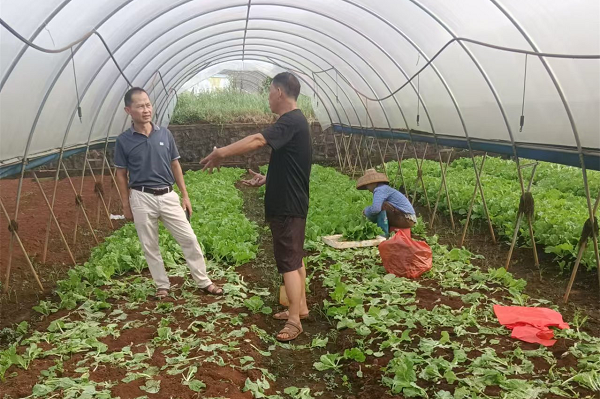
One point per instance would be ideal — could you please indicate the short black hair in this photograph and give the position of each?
(128, 96)
(288, 83)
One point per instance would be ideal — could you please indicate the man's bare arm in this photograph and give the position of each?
(243, 146)
(124, 190)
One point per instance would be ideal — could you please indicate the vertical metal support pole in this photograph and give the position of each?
(464, 234)
(351, 148)
(337, 151)
(400, 158)
(369, 154)
(358, 156)
(483, 201)
(369, 149)
(8, 266)
(580, 254)
(49, 223)
(62, 236)
(420, 178)
(518, 225)
(12, 236)
(347, 143)
(383, 154)
(446, 188)
(114, 180)
(345, 140)
(443, 186)
(343, 151)
(101, 196)
(80, 204)
(98, 202)
(15, 234)
(85, 160)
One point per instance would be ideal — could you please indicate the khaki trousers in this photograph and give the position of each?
(147, 210)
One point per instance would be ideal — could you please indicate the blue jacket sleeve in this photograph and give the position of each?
(378, 199)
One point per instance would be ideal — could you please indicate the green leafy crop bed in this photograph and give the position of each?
(369, 334)
(336, 207)
(560, 204)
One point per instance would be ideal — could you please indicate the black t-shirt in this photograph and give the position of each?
(289, 168)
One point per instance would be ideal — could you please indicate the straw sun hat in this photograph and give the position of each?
(371, 176)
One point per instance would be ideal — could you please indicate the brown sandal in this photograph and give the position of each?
(292, 330)
(286, 314)
(213, 289)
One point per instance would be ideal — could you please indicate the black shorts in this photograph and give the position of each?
(288, 242)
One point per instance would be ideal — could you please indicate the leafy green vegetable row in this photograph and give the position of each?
(444, 352)
(218, 221)
(560, 208)
(336, 207)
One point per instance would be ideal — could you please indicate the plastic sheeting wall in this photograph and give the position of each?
(373, 45)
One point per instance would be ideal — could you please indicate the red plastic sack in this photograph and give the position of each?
(405, 257)
(530, 324)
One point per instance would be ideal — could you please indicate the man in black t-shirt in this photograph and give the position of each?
(286, 197)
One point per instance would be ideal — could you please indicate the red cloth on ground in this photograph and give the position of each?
(405, 257)
(530, 324)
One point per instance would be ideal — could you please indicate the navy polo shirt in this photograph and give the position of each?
(147, 158)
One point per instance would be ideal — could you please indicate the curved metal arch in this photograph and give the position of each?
(61, 70)
(422, 53)
(125, 121)
(334, 39)
(95, 117)
(180, 81)
(223, 59)
(307, 10)
(310, 40)
(254, 82)
(199, 68)
(491, 86)
(298, 46)
(283, 49)
(43, 103)
(194, 53)
(35, 34)
(225, 55)
(235, 53)
(273, 19)
(195, 16)
(563, 98)
(116, 78)
(549, 70)
(554, 79)
(420, 99)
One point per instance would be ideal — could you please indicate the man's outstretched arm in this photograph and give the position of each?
(243, 146)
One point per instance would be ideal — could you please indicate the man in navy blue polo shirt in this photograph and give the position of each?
(148, 152)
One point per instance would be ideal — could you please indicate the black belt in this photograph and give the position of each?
(155, 191)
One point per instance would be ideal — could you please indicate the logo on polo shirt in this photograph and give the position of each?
(161, 143)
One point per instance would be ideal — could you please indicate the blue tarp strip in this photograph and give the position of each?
(11, 170)
(550, 154)
(554, 155)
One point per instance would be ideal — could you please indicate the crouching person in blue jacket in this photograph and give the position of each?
(390, 208)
